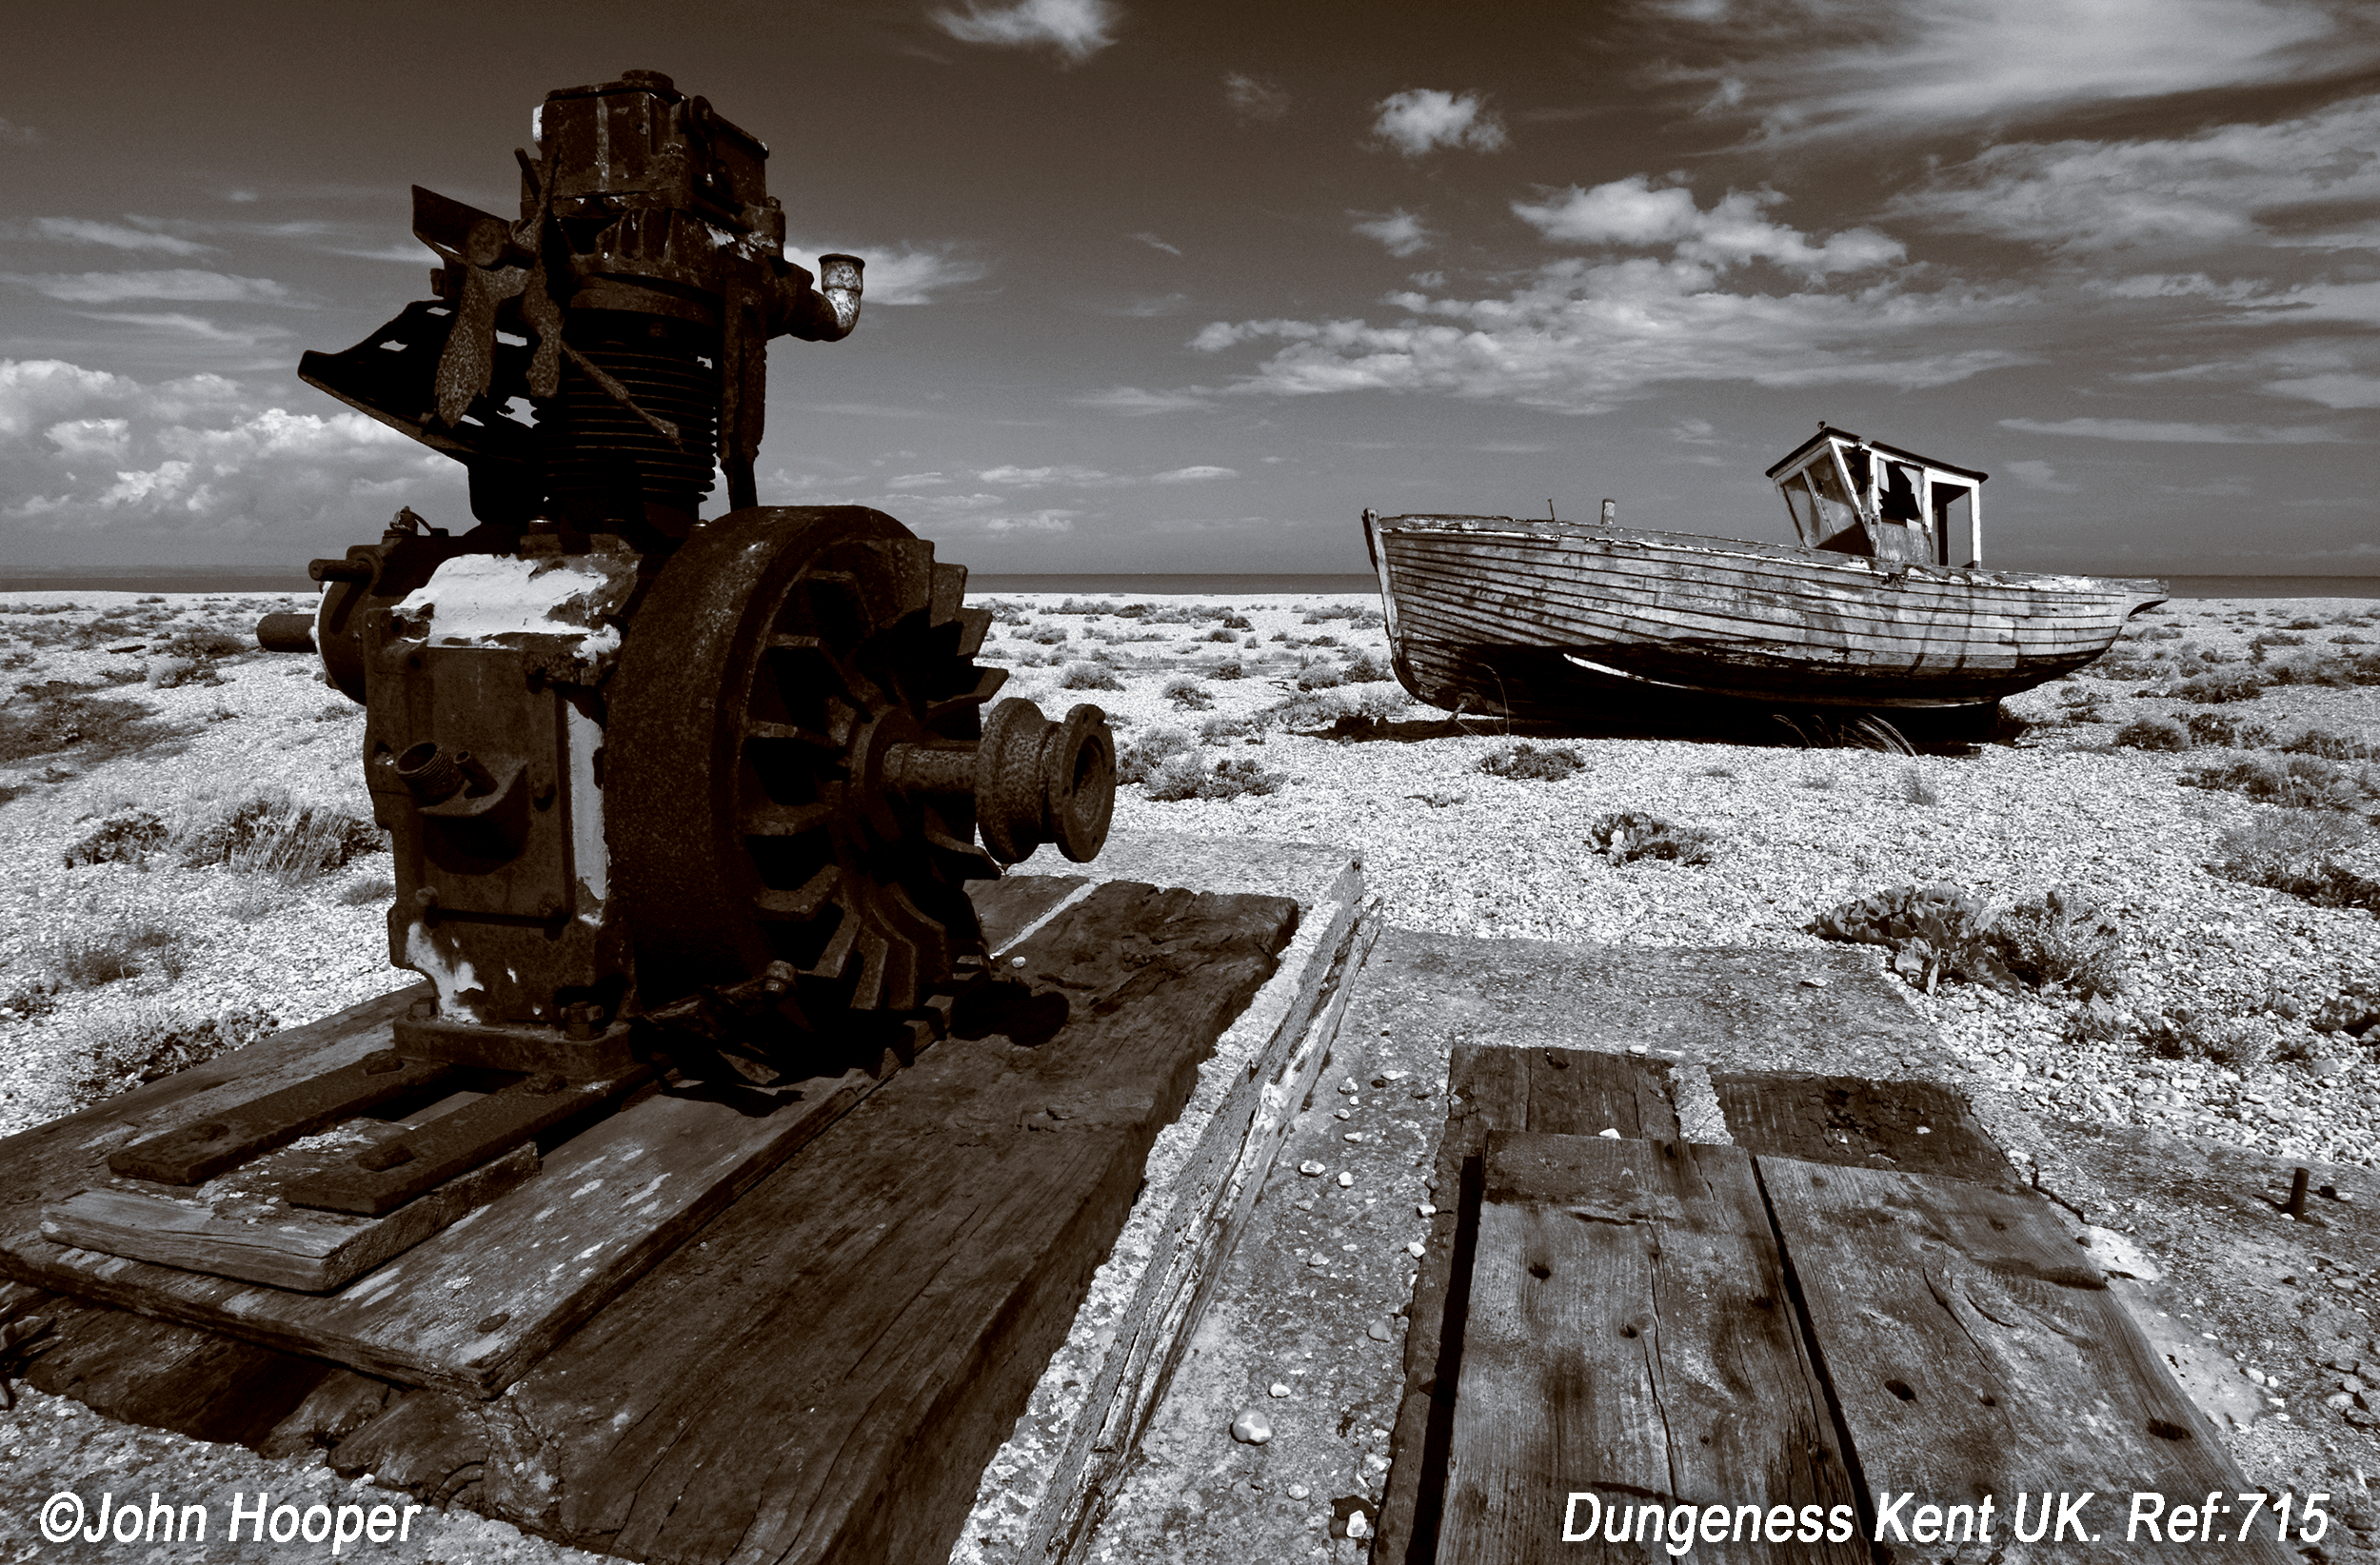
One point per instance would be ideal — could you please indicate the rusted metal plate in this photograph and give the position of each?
(197, 1152)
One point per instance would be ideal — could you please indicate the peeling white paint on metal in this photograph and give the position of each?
(507, 599)
(423, 956)
(581, 736)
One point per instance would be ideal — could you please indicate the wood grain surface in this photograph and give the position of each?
(1631, 1338)
(1974, 1349)
(1561, 1091)
(824, 1373)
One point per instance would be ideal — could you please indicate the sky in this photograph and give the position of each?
(1184, 287)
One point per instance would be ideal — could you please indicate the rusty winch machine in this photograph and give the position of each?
(665, 794)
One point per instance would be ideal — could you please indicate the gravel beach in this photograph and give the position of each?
(1449, 847)
(2240, 1014)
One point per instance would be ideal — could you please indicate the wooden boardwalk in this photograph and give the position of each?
(1776, 1349)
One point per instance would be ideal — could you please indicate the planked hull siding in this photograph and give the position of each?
(1523, 616)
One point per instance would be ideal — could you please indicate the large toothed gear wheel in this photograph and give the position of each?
(796, 760)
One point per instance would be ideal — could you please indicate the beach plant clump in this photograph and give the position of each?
(1048, 635)
(2220, 686)
(2299, 853)
(1629, 835)
(2228, 730)
(107, 949)
(126, 837)
(1190, 776)
(2302, 781)
(1363, 668)
(2058, 942)
(1930, 932)
(2196, 1032)
(1184, 692)
(1230, 670)
(270, 832)
(2063, 942)
(2330, 747)
(58, 716)
(143, 1049)
(1089, 676)
(1223, 731)
(1525, 763)
(1140, 758)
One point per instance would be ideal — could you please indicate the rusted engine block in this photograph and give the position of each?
(659, 786)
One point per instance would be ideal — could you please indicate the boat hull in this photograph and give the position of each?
(1539, 619)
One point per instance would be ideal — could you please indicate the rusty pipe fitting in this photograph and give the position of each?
(286, 633)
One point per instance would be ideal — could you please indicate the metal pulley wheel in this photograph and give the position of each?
(796, 763)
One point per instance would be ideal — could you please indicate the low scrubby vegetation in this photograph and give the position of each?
(1186, 694)
(2299, 853)
(1089, 676)
(2302, 781)
(1629, 835)
(1191, 776)
(136, 1051)
(1525, 763)
(57, 717)
(2058, 942)
(267, 833)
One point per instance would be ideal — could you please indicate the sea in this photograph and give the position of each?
(982, 585)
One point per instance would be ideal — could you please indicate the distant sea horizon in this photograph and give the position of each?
(1152, 584)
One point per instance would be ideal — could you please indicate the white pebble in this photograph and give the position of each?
(1310, 1168)
(1415, 1249)
(1609, 1134)
(1298, 1491)
(1426, 1209)
(1252, 1428)
(1346, 1180)
(1278, 1389)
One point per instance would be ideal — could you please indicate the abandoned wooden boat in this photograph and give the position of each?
(1571, 619)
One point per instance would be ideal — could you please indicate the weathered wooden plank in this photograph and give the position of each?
(1973, 1351)
(1558, 1091)
(471, 1307)
(1008, 905)
(1917, 1127)
(1631, 1338)
(260, 1240)
(153, 1372)
(823, 1376)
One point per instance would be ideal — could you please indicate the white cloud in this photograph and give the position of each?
(1154, 243)
(2330, 390)
(1137, 400)
(182, 284)
(1629, 212)
(1046, 521)
(2199, 434)
(1423, 120)
(1031, 477)
(1194, 475)
(199, 461)
(2228, 186)
(191, 325)
(908, 274)
(1582, 339)
(2039, 475)
(1252, 99)
(15, 135)
(1075, 28)
(1810, 69)
(1401, 232)
(85, 440)
(83, 230)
